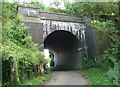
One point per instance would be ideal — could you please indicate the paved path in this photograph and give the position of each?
(67, 78)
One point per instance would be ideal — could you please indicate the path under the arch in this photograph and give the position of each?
(67, 78)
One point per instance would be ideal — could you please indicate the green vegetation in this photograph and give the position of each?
(105, 18)
(97, 76)
(54, 10)
(0, 83)
(37, 81)
(95, 10)
(35, 4)
(23, 63)
(111, 62)
(21, 58)
(42, 7)
(109, 26)
(105, 72)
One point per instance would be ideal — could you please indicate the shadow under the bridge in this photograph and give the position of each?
(64, 46)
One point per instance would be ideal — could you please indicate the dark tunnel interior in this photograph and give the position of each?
(64, 46)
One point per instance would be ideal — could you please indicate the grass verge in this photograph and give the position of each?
(38, 80)
(0, 83)
(97, 76)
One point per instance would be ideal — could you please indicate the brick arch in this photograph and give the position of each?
(50, 26)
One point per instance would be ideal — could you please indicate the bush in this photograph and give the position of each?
(92, 9)
(113, 74)
(20, 56)
(111, 62)
(87, 63)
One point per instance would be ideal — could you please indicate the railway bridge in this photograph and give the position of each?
(65, 36)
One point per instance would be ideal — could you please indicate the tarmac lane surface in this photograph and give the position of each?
(67, 78)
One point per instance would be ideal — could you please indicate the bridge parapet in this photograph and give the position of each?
(28, 11)
(51, 22)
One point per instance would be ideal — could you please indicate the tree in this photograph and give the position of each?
(55, 4)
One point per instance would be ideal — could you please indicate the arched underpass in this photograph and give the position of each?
(64, 45)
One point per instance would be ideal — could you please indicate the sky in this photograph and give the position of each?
(47, 2)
